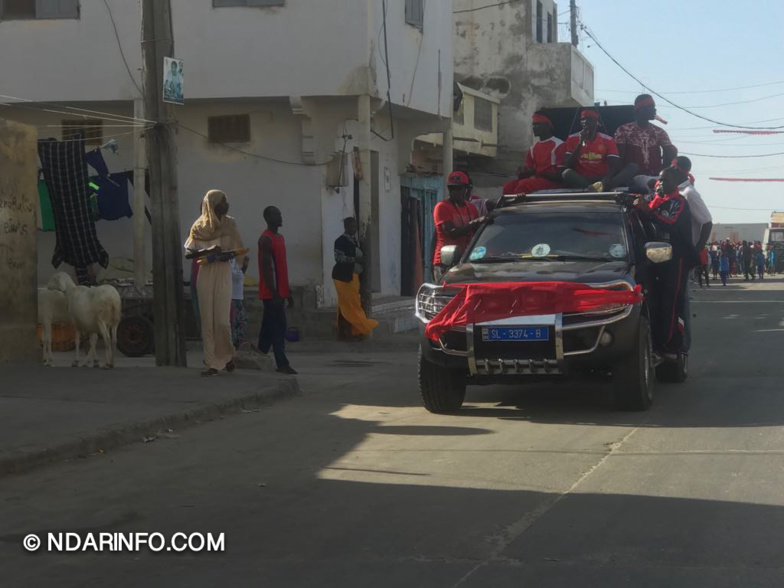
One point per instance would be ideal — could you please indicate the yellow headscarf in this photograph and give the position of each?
(208, 227)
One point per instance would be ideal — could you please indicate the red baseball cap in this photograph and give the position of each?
(458, 178)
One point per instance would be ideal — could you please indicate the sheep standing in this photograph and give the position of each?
(52, 308)
(93, 311)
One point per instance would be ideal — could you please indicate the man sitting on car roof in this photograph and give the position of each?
(592, 159)
(544, 161)
(644, 145)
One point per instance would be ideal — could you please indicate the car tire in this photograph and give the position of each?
(442, 389)
(633, 379)
(675, 372)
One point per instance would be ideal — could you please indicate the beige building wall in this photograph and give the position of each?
(18, 194)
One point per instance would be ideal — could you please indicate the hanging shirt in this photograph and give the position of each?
(459, 216)
(237, 281)
(546, 156)
(644, 146)
(280, 268)
(594, 155)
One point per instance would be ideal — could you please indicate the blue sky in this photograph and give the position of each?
(700, 46)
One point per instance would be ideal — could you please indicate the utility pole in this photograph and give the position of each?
(168, 300)
(573, 12)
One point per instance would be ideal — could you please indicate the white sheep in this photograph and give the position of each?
(52, 308)
(94, 311)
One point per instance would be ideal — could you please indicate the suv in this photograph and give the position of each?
(593, 239)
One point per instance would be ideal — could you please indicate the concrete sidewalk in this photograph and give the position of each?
(55, 414)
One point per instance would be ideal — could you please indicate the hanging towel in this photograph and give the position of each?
(65, 173)
(112, 194)
(47, 214)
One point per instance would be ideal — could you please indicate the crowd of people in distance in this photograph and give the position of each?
(726, 259)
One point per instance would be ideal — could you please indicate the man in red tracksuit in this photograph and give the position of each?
(669, 212)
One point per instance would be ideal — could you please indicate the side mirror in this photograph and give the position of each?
(658, 252)
(450, 255)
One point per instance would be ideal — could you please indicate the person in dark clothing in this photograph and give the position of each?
(352, 323)
(274, 289)
(670, 214)
(748, 266)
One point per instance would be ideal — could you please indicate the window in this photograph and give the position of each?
(230, 3)
(38, 9)
(92, 129)
(233, 128)
(483, 115)
(415, 13)
(549, 27)
(539, 11)
(459, 116)
(597, 235)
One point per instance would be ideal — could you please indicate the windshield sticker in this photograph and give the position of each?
(541, 250)
(618, 251)
(478, 253)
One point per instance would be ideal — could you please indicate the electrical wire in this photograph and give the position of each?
(701, 91)
(389, 74)
(119, 44)
(487, 6)
(590, 34)
(416, 68)
(734, 156)
(249, 154)
(73, 109)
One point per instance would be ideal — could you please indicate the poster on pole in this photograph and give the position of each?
(173, 81)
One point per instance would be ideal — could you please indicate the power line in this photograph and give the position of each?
(734, 156)
(652, 91)
(702, 91)
(119, 44)
(75, 111)
(249, 154)
(484, 7)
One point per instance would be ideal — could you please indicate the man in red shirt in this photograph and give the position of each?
(455, 220)
(644, 145)
(544, 162)
(592, 158)
(274, 289)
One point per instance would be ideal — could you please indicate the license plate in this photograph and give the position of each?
(515, 334)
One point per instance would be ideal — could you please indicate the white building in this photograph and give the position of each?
(272, 91)
(511, 52)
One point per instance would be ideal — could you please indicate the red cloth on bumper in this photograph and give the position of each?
(480, 303)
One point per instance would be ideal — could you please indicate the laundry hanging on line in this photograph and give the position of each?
(65, 173)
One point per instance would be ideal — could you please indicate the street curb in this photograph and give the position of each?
(105, 440)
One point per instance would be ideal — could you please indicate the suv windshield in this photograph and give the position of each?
(590, 235)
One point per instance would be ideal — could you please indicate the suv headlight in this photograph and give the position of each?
(431, 300)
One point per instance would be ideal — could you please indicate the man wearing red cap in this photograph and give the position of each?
(592, 157)
(543, 163)
(455, 220)
(644, 145)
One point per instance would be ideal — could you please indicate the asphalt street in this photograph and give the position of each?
(354, 484)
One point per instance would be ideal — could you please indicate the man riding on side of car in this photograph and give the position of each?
(669, 212)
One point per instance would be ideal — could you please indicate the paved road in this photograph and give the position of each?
(354, 484)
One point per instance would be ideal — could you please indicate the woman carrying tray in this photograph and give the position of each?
(215, 231)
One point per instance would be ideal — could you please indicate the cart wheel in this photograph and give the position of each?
(135, 336)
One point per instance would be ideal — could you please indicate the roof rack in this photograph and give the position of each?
(621, 197)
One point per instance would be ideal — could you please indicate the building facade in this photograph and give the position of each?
(274, 95)
(511, 52)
